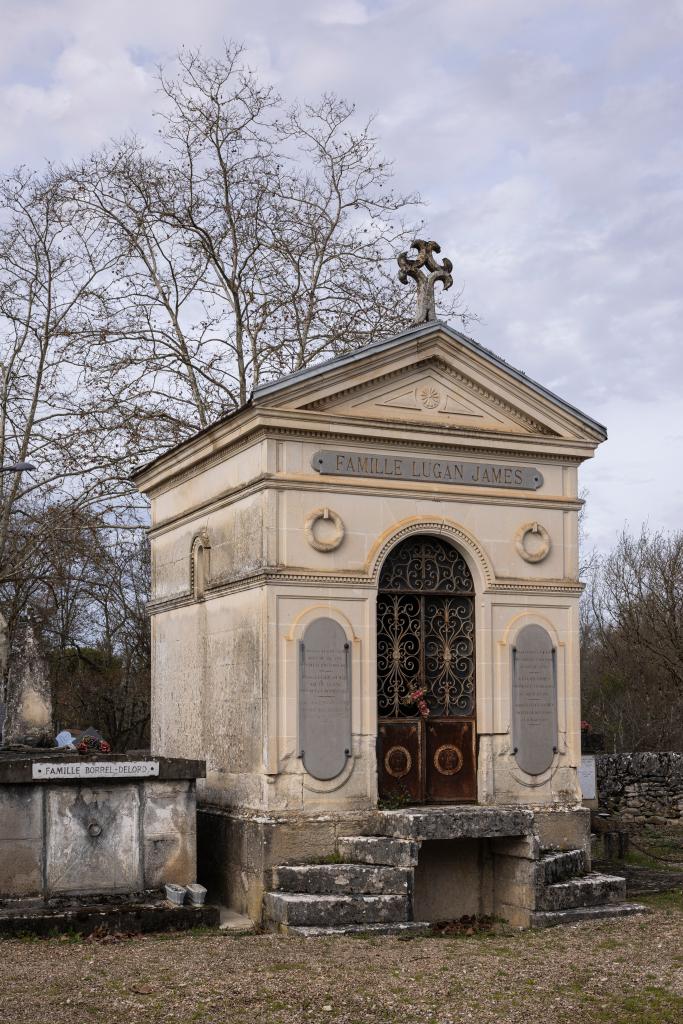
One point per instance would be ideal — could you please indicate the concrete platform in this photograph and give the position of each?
(132, 913)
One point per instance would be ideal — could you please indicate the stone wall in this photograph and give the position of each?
(646, 788)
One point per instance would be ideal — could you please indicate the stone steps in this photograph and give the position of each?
(399, 928)
(588, 891)
(550, 918)
(559, 867)
(341, 879)
(379, 850)
(286, 909)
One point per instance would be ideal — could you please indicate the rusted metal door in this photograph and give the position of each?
(426, 742)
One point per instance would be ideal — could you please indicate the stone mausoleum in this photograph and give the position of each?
(365, 618)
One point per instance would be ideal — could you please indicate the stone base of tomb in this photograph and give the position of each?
(132, 913)
(392, 870)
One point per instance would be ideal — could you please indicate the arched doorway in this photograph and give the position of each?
(426, 674)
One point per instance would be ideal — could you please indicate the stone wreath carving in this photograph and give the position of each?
(538, 531)
(328, 515)
(425, 308)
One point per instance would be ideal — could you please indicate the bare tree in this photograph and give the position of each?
(58, 406)
(632, 654)
(146, 291)
(258, 239)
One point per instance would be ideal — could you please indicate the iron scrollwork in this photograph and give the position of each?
(425, 630)
(426, 564)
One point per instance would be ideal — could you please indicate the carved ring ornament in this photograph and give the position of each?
(448, 759)
(328, 515)
(397, 762)
(541, 534)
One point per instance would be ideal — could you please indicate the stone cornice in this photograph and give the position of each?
(272, 576)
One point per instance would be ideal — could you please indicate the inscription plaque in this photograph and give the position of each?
(324, 699)
(94, 770)
(587, 777)
(433, 471)
(534, 700)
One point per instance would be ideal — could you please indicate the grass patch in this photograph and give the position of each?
(671, 900)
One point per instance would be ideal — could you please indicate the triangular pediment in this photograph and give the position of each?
(432, 377)
(431, 392)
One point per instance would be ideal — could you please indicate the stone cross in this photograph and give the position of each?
(425, 308)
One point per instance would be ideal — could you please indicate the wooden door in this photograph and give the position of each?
(426, 742)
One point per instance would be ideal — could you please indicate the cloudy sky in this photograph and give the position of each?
(545, 136)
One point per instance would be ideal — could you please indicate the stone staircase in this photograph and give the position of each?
(566, 892)
(363, 895)
(370, 888)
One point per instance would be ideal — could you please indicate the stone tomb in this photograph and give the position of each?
(88, 825)
(372, 559)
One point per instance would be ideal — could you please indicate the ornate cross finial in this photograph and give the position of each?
(425, 309)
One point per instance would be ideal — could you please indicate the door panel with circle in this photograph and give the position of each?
(450, 760)
(400, 757)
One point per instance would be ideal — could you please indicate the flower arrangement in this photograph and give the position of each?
(417, 697)
(91, 745)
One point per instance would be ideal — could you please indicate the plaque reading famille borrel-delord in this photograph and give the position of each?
(324, 699)
(433, 471)
(534, 700)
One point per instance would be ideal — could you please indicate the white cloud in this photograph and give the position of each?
(341, 12)
(546, 138)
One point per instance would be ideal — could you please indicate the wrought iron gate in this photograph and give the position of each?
(426, 674)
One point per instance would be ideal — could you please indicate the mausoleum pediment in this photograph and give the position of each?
(432, 376)
(431, 392)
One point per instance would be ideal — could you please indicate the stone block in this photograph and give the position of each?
(327, 879)
(589, 891)
(21, 812)
(379, 850)
(169, 858)
(168, 807)
(526, 847)
(457, 823)
(516, 883)
(92, 840)
(563, 829)
(305, 909)
(21, 867)
(516, 917)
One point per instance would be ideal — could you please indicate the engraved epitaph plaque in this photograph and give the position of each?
(588, 777)
(324, 699)
(534, 700)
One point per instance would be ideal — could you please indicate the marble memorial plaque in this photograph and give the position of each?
(534, 700)
(587, 777)
(324, 699)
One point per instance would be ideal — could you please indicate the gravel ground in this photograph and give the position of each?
(626, 971)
